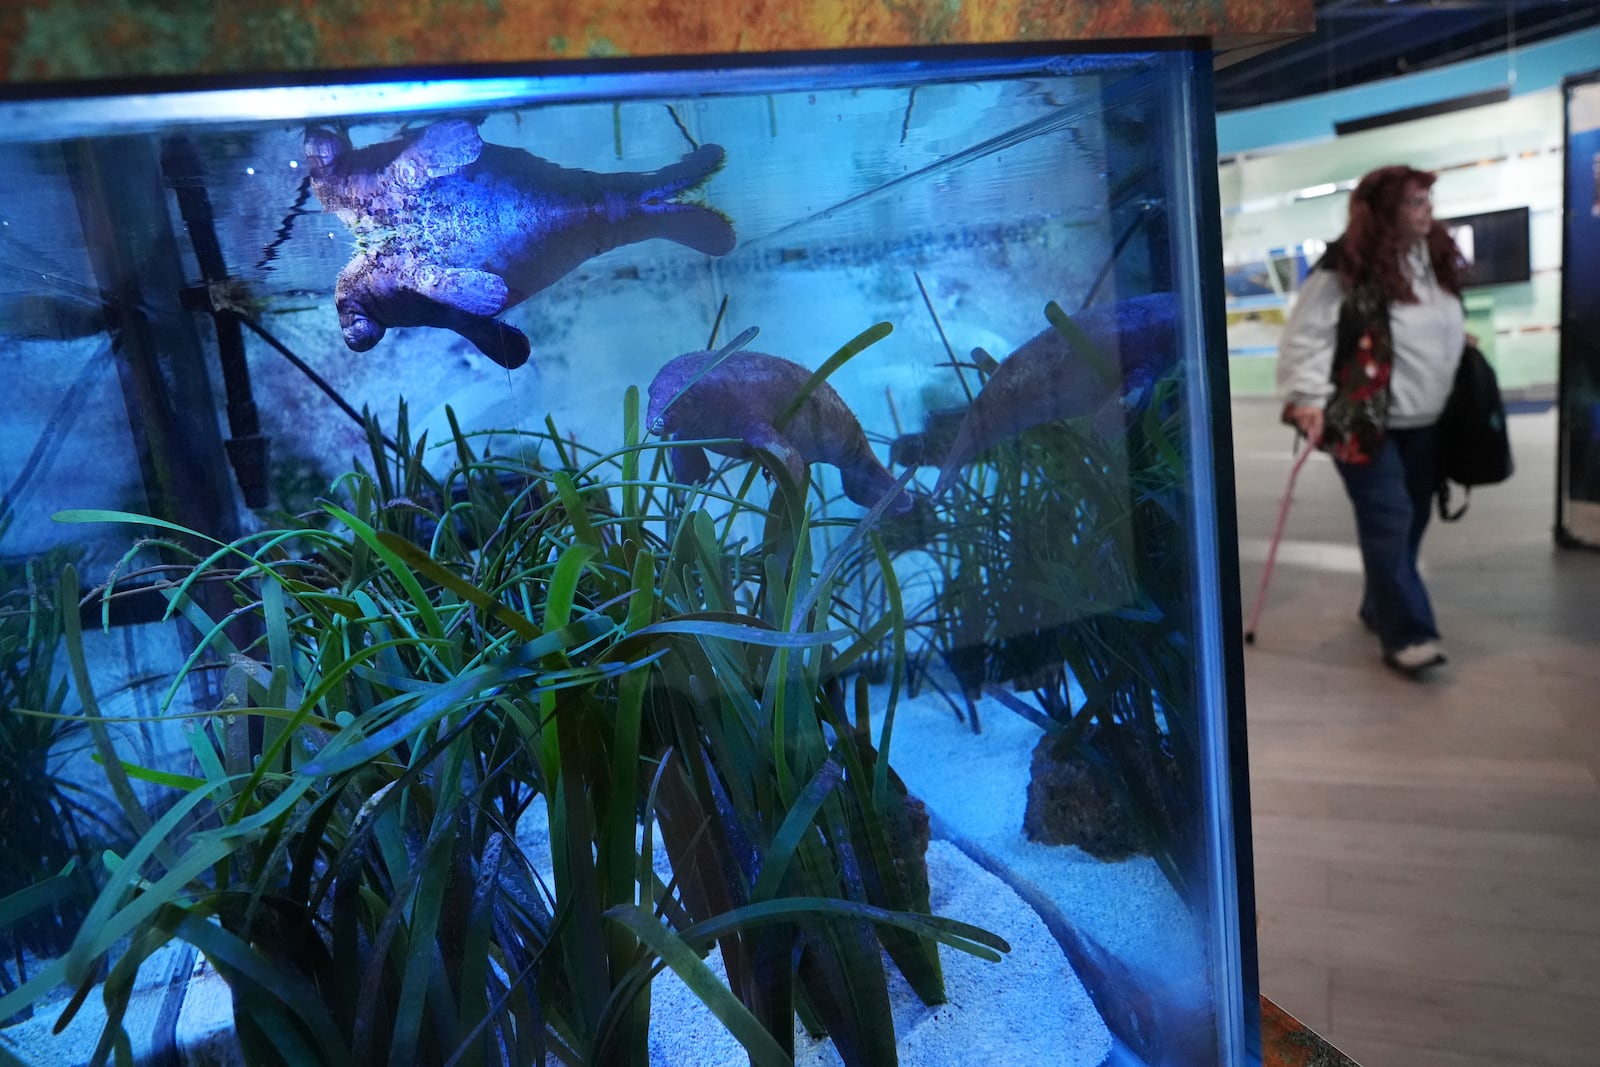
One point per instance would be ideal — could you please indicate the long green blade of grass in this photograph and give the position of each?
(232, 954)
(116, 777)
(427, 902)
(562, 592)
(182, 782)
(351, 748)
(632, 434)
(91, 941)
(36, 897)
(750, 631)
(865, 339)
(397, 566)
(958, 935)
(675, 953)
(846, 549)
(1083, 347)
(419, 560)
(474, 1007)
(796, 824)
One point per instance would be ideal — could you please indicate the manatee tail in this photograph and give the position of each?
(958, 455)
(1000, 416)
(701, 228)
(686, 175)
(961, 448)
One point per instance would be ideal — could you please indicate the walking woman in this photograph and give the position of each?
(1365, 366)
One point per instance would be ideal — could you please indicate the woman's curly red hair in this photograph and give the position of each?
(1373, 246)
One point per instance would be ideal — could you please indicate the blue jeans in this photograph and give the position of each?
(1393, 497)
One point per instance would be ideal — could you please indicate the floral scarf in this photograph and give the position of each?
(1363, 356)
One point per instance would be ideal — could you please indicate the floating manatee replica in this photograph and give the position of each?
(451, 231)
(1046, 380)
(744, 397)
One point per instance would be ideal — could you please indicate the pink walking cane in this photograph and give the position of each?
(1272, 550)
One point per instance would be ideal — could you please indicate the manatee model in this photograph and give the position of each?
(1134, 342)
(745, 397)
(452, 232)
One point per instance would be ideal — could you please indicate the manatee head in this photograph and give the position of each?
(322, 150)
(668, 387)
(360, 331)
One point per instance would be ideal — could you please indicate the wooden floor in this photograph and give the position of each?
(1427, 856)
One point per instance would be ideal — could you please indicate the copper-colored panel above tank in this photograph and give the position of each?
(54, 40)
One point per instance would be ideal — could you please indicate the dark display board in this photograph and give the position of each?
(1578, 441)
(1495, 245)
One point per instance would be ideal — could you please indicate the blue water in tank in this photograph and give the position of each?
(948, 305)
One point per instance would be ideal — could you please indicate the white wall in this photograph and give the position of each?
(1502, 155)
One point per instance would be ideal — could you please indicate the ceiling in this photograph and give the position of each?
(1360, 41)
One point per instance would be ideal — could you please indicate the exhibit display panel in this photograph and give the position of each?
(1578, 433)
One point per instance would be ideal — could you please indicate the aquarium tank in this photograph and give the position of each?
(650, 564)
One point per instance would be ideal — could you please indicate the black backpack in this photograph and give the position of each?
(1474, 448)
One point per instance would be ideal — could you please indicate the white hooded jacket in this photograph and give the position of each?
(1427, 338)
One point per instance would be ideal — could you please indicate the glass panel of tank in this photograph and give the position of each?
(700, 566)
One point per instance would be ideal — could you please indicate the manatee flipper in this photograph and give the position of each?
(692, 225)
(660, 215)
(766, 438)
(689, 464)
(475, 292)
(441, 148)
(688, 173)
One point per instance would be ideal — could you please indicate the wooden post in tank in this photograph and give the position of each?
(157, 353)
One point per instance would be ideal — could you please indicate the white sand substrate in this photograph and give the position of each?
(975, 786)
(1030, 1009)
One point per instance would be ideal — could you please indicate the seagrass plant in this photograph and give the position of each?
(787, 843)
(349, 876)
(51, 828)
(772, 800)
(437, 652)
(1062, 577)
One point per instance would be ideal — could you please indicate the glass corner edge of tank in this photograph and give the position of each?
(60, 111)
(1226, 796)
